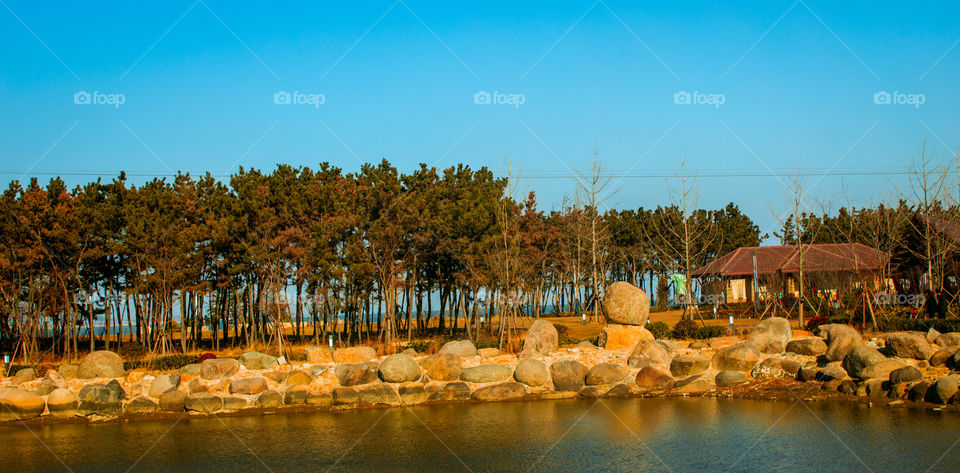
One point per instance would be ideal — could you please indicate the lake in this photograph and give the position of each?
(673, 434)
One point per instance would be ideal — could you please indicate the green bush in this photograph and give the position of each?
(132, 351)
(660, 330)
(710, 331)
(487, 344)
(683, 329)
(420, 346)
(894, 324)
(562, 330)
(163, 363)
(569, 341)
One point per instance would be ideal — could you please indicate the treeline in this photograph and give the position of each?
(374, 253)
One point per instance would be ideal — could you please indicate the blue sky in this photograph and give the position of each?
(797, 82)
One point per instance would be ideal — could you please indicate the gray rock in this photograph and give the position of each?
(841, 339)
(932, 335)
(319, 399)
(739, 357)
(648, 353)
(568, 375)
(100, 399)
(848, 387)
(233, 403)
(942, 356)
(499, 392)
(688, 364)
(164, 383)
(173, 401)
(699, 345)
(412, 393)
(807, 346)
(625, 304)
(442, 367)
(776, 368)
(881, 369)
(486, 374)
(532, 372)
(605, 373)
(19, 404)
(541, 339)
(860, 358)
(298, 378)
(831, 372)
(25, 375)
(193, 369)
(456, 391)
(807, 374)
(618, 391)
(728, 379)
(943, 389)
(140, 405)
(69, 371)
(269, 400)
(45, 387)
(354, 354)
(196, 386)
(771, 335)
(317, 370)
(345, 395)
(354, 374)
(918, 392)
(693, 384)
(295, 395)
(203, 402)
(62, 403)
(278, 377)
(100, 364)
(951, 339)
(217, 368)
(461, 348)
(248, 386)
(399, 368)
(906, 374)
(254, 360)
(909, 345)
(379, 394)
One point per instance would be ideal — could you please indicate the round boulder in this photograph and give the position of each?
(951, 339)
(248, 386)
(841, 339)
(24, 376)
(19, 404)
(568, 375)
(728, 379)
(270, 399)
(442, 367)
(203, 402)
(485, 373)
(771, 335)
(619, 337)
(254, 360)
(860, 358)
(298, 378)
(626, 304)
(909, 345)
(140, 405)
(648, 353)
(807, 346)
(541, 339)
(739, 357)
(164, 383)
(651, 378)
(499, 392)
(942, 390)
(353, 374)
(688, 364)
(62, 403)
(941, 356)
(461, 348)
(100, 364)
(353, 355)
(907, 374)
(606, 373)
(399, 368)
(217, 368)
(532, 372)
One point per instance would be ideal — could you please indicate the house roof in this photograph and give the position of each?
(786, 259)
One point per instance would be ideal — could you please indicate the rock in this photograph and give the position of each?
(193, 369)
(412, 393)
(19, 404)
(353, 374)
(942, 356)
(943, 389)
(318, 355)
(269, 400)
(541, 339)
(55, 378)
(728, 379)
(771, 335)
(164, 383)
(776, 368)
(648, 353)
(670, 346)
(841, 339)
(342, 396)
(909, 345)
(605, 373)
(899, 391)
(860, 358)
(173, 401)
(906, 374)
(486, 373)
(233, 403)
(254, 360)
(217, 368)
(461, 348)
(248, 386)
(532, 372)
(399, 369)
(23, 376)
(317, 371)
(441, 367)
(881, 369)
(832, 372)
(699, 345)
(807, 374)
(951, 339)
(354, 355)
(456, 391)
(585, 345)
(740, 357)
(807, 346)
(62, 403)
(873, 388)
(100, 364)
(488, 352)
(618, 391)
(203, 402)
(848, 387)
(69, 371)
(619, 337)
(379, 394)
(295, 395)
(196, 386)
(653, 379)
(499, 392)
(278, 377)
(589, 392)
(100, 399)
(687, 364)
(932, 335)
(140, 405)
(319, 399)
(918, 392)
(624, 303)
(298, 378)
(568, 375)
(693, 384)
(45, 387)
(409, 352)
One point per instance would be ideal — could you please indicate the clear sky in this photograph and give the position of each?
(782, 85)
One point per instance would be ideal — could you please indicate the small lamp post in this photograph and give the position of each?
(330, 342)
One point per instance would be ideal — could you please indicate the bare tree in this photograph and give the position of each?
(591, 194)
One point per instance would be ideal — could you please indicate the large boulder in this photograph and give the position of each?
(217, 368)
(398, 369)
(19, 404)
(269, 399)
(881, 369)
(729, 379)
(379, 394)
(295, 395)
(499, 392)
(461, 348)
(100, 399)
(775, 367)
(841, 340)
(626, 304)
(100, 364)
(606, 373)
(860, 358)
(298, 378)
(441, 367)
(541, 339)
(164, 383)
(140, 405)
(831, 372)
(412, 393)
(648, 353)
(203, 402)
(318, 355)
(693, 384)
(942, 390)
(771, 335)
(455, 391)
(354, 374)
(942, 355)
(951, 339)
(532, 372)
(739, 357)
(619, 337)
(486, 373)
(23, 376)
(62, 403)
(909, 345)
(568, 375)
(248, 386)
(807, 346)
(907, 374)
(344, 396)
(688, 364)
(354, 354)
(918, 392)
(254, 360)
(173, 401)
(932, 335)
(651, 378)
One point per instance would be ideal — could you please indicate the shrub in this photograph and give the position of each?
(683, 329)
(893, 324)
(568, 341)
(205, 356)
(710, 331)
(660, 330)
(132, 351)
(420, 346)
(815, 322)
(562, 330)
(487, 344)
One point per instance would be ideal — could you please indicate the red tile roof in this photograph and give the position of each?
(786, 259)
